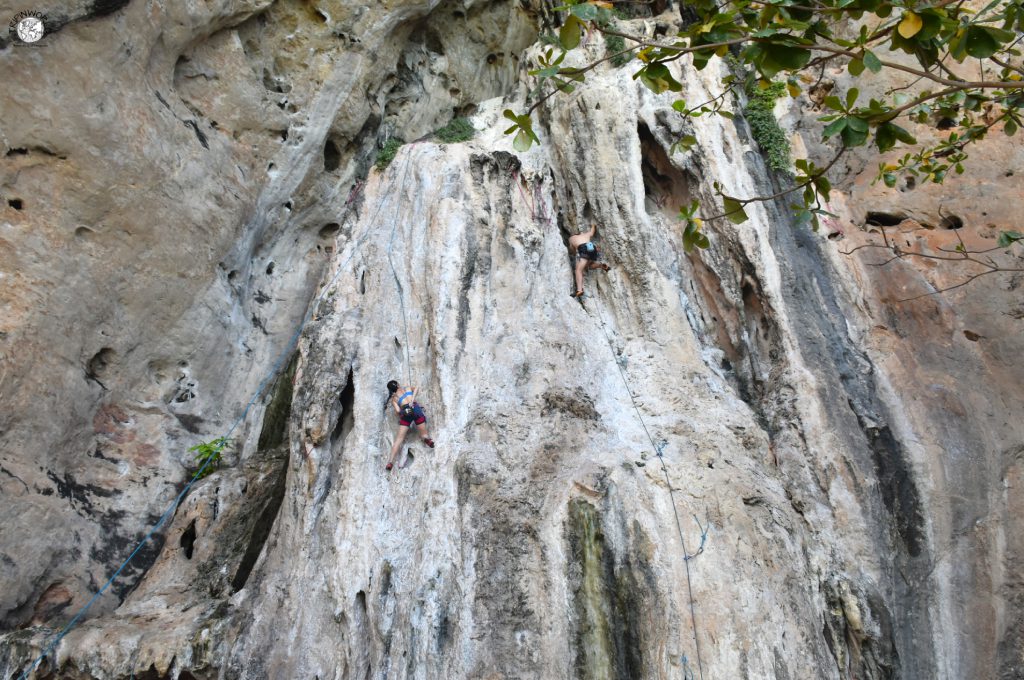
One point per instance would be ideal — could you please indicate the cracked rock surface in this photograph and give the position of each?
(853, 458)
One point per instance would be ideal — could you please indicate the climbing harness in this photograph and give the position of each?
(275, 368)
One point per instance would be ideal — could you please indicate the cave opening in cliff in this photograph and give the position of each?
(665, 186)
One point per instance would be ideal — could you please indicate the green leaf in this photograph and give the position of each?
(783, 57)
(856, 132)
(834, 103)
(522, 142)
(1008, 238)
(856, 67)
(570, 33)
(872, 62)
(586, 12)
(734, 210)
(1010, 127)
(889, 179)
(657, 78)
(885, 137)
(980, 43)
(701, 241)
(834, 128)
(511, 116)
(851, 96)
(823, 186)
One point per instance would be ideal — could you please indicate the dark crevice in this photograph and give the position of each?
(332, 156)
(346, 419)
(329, 231)
(188, 539)
(200, 135)
(951, 222)
(275, 419)
(261, 531)
(883, 219)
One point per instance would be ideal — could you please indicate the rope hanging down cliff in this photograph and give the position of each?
(394, 273)
(658, 450)
(275, 368)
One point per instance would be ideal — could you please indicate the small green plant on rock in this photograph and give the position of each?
(760, 113)
(459, 130)
(208, 455)
(388, 153)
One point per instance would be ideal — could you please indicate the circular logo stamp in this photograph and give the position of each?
(29, 26)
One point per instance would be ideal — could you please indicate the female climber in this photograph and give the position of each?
(409, 412)
(587, 256)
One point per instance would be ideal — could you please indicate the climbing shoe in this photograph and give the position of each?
(604, 267)
(429, 442)
(388, 467)
(577, 294)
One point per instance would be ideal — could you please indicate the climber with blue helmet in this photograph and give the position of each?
(587, 255)
(409, 413)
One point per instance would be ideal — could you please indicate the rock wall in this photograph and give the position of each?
(853, 455)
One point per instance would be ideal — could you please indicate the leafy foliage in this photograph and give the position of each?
(208, 455)
(787, 37)
(388, 153)
(760, 113)
(458, 130)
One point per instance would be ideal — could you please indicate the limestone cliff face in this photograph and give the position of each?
(854, 456)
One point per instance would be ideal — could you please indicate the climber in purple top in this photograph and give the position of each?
(409, 412)
(587, 255)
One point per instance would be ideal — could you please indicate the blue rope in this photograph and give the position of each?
(289, 348)
(398, 283)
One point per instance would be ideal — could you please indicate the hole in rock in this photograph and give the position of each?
(82, 232)
(910, 182)
(321, 16)
(951, 222)
(288, 205)
(883, 219)
(15, 203)
(972, 336)
(270, 269)
(18, 152)
(492, 58)
(329, 230)
(232, 275)
(99, 363)
(362, 283)
(332, 156)
(398, 344)
(347, 419)
(945, 123)
(1009, 173)
(188, 539)
(664, 185)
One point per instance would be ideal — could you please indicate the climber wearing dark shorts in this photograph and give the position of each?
(587, 256)
(409, 412)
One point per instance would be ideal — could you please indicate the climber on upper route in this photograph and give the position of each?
(409, 412)
(587, 255)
